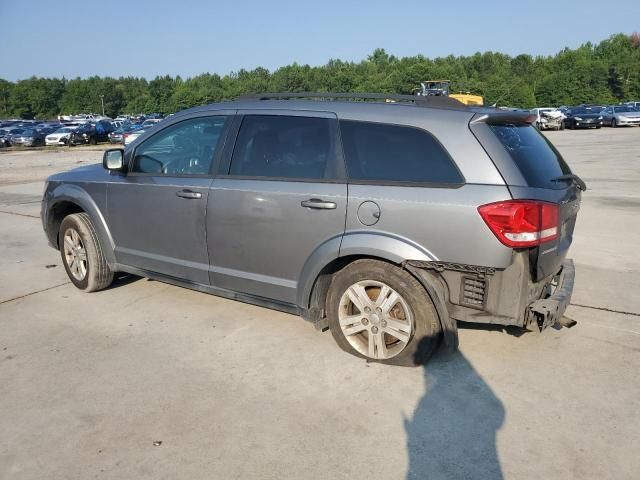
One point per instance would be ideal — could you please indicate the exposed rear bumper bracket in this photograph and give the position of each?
(549, 311)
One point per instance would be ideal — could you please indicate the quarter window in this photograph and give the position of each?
(392, 153)
(282, 147)
(186, 148)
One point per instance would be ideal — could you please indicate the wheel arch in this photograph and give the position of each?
(69, 199)
(316, 278)
(354, 245)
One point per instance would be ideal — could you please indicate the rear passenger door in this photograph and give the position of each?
(279, 199)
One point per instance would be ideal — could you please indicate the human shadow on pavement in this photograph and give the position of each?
(452, 433)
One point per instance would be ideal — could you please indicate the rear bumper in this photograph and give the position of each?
(507, 296)
(548, 311)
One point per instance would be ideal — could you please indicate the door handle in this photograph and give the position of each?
(189, 194)
(319, 204)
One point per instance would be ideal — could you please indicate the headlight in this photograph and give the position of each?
(624, 119)
(578, 118)
(600, 117)
(84, 135)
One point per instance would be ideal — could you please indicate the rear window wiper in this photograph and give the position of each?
(573, 178)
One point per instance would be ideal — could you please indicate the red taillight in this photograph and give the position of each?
(522, 223)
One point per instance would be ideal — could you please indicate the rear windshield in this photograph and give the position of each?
(538, 160)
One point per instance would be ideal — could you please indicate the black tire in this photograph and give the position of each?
(613, 123)
(426, 334)
(93, 140)
(98, 275)
(598, 127)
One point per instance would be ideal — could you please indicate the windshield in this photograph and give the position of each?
(624, 108)
(27, 133)
(587, 110)
(64, 130)
(536, 158)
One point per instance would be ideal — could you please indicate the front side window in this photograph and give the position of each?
(185, 148)
(282, 147)
(391, 153)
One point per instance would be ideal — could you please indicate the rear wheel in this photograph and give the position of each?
(381, 312)
(82, 254)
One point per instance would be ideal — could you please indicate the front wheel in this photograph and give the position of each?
(380, 312)
(82, 254)
(613, 123)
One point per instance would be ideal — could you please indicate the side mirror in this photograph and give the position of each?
(113, 160)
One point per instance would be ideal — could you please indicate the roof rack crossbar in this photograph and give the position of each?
(423, 101)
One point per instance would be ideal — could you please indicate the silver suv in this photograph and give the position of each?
(386, 222)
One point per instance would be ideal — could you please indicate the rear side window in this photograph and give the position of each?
(538, 160)
(274, 146)
(392, 153)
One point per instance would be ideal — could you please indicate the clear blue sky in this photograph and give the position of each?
(187, 37)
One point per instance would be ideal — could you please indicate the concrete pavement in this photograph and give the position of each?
(88, 382)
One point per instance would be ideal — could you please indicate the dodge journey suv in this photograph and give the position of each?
(386, 221)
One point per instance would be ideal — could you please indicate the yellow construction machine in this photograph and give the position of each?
(440, 88)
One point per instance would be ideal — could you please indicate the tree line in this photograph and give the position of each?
(602, 73)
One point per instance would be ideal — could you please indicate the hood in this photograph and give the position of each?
(551, 114)
(586, 115)
(89, 173)
(628, 114)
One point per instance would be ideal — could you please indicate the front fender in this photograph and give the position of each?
(79, 196)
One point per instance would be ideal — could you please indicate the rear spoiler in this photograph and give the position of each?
(501, 117)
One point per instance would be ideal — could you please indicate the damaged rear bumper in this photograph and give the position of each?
(548, 311)
(508, 297)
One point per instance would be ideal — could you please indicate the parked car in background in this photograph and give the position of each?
(584, 117)
(91, 133)
(117, 136)
(549, 118)
(60, 136)
(129, 137)
(151, 122)
(4, 138)
(84, 134)
(27, 138)
(620, 115)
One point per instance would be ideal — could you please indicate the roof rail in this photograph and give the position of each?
(418, 100)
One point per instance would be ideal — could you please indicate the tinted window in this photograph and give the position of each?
(280, 146)
(185, 148)
(535, 156)
(393, 153)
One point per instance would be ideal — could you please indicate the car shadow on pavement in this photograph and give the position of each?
(121, 279)
(452, 433)
(490, 327)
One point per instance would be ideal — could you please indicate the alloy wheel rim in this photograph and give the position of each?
(75, 254)
(375, 319)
